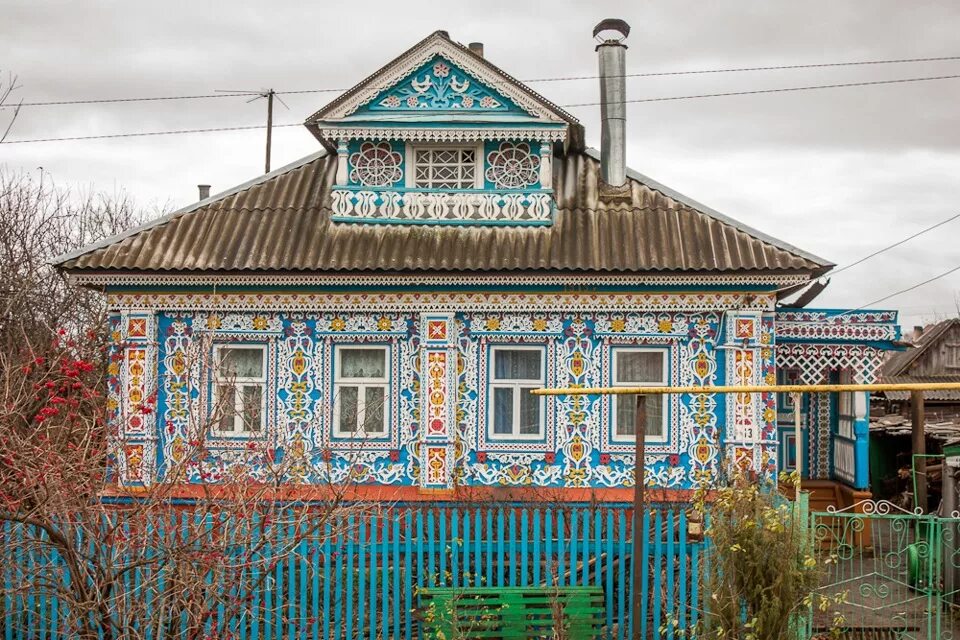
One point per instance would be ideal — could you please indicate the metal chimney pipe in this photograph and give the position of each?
(204, 191)
(476, 47)
(613, 91)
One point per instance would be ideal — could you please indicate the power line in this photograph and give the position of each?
(652, 74)
(581, 104)
(781, 90)
(893, 295)
(894, 245)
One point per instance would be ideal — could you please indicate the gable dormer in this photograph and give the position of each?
(440, 135)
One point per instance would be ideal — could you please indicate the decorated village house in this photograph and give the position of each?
(382, 307)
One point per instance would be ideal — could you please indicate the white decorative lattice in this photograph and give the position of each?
(513, 166)
(350, 205)
(376, 165)
(815, 361)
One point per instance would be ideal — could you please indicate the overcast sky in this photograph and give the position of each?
(837, 172)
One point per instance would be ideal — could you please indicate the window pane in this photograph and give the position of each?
(347, 401)
(517, 364)
(529, 413)
(240, 362)
(639, 366)
(225, 407)
(627, 415)
(363, 363)
(503, 411)
(373, 409)
(252, 407)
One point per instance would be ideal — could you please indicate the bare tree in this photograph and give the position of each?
(6, 90)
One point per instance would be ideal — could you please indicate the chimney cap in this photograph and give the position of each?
(612, 24)
(476, 47)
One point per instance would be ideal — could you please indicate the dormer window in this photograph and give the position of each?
(445, 167)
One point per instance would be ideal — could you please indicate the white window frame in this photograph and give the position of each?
(846, 408)
(238, 382)
(518, 386)
(664, 381)
(410, 161)
(362, 384)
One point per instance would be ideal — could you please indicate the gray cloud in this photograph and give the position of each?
(838, 172)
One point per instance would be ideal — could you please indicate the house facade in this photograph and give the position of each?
(377, 312)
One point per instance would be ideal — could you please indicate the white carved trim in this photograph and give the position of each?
(401, 67)
(546, 165)
(459, 134)
(440, 301)
(342, 165)
(462, 207)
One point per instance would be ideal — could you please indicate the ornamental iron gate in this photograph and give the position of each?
(890, 573)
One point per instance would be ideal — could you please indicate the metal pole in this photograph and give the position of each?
(639, 507)
(919, 449)
(269, 94)
(798, 434)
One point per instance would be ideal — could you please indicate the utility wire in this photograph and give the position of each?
(232, 94)
(894, 245)
(582, 104)
(781, 90)
(893, 295)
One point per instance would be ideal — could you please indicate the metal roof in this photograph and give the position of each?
(281, 222)
(941, 395)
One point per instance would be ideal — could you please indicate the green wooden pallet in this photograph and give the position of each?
(512, 612)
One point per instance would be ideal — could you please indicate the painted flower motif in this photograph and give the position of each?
(441, 70)
(539, 324)
(665, 326)
(618, 325)
(482, 457)
(604, 458)
(550, 457)
(376, 165)
(384, 324)
(769, 415)
(412, 101)
(260, 323)
(394, 455)
(488, 102)
(337, 324)
(492, 324)
(213, 321)
(512, 165)
(391, 102)
(770, 378)
(466, 102)
(674, 459)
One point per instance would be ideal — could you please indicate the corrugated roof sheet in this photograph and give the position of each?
(942, 395)
(281, 222)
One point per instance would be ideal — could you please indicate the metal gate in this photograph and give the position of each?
(888, 572)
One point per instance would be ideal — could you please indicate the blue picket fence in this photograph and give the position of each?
(357, 576)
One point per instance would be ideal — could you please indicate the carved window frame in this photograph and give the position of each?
(410, 162)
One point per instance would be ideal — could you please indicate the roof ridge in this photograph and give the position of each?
(173, 215)
(713, 213)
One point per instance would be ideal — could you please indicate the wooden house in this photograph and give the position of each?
(377, 312)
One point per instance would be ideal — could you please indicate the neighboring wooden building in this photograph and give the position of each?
(385, 304)
(934, 357)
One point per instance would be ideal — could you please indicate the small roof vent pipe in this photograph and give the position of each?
(613, 109)
(476, 47)
(204, 190)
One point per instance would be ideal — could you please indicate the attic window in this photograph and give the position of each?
(446, 167)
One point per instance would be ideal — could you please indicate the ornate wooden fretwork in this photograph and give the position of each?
(443, 134)
(350, 205)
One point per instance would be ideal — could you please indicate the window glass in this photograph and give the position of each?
(514, 374)
(241, 362)
(517, 364)
(361, 391)
(362, 363)
(635, 367)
